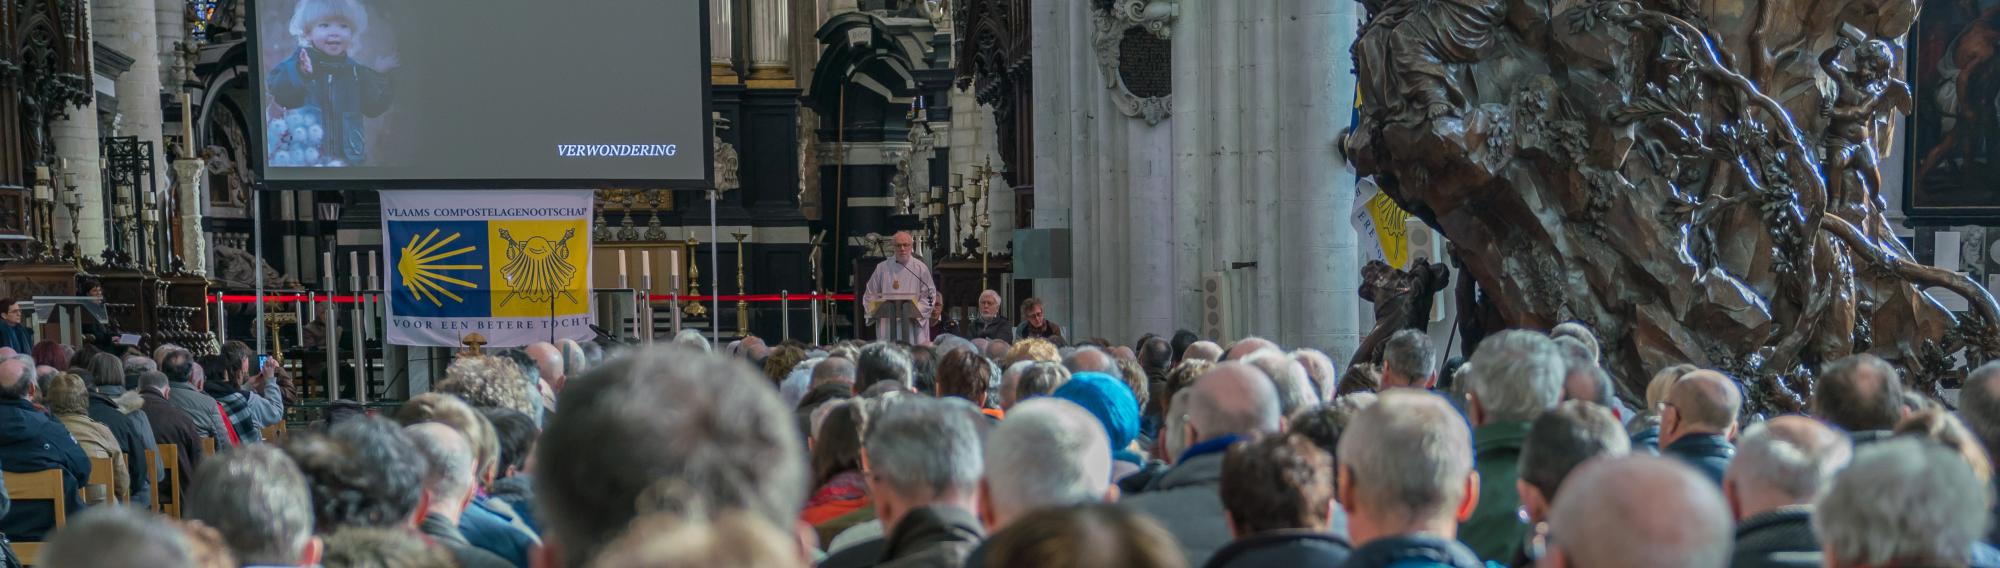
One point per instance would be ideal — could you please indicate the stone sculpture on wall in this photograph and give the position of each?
(1697, 181)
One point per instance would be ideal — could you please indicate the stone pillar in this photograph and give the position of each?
(170, 19)
(1056, 150)
(130, 27)
(1192, 129)
(1317, 246)
(188, 177)
(770, 40)
(721, 44)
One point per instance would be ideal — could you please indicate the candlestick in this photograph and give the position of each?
(645, 266)
(674, 269)
(373, 283)
(621, 268)
(187, 127)
(326, 272)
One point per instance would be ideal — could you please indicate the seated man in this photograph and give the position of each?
(257, 500)
(1699, 420)
(31, 442)
(1278, 493)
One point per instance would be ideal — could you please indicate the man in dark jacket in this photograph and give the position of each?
(990, 324)
(202, 409)
(1640, 512)
(1279, 494)
(171, 425)
(925, 462)
(1516, 376)
(1575, 432)
(1780, 466)
(1406, 481)
(14, 334)
(449, 487)
(31, 442)
(1035, 324)
(1231, 403)
(112, 413)
(1699, 420)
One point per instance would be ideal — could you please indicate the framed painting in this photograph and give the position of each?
(1953, 147)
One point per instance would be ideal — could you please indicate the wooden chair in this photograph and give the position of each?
(153, 497)
(45, 485)
(170, 461)
(103, 473)
(207, 447)
(275, 434)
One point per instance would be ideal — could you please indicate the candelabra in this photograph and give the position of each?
(693, 308)
(742, 305)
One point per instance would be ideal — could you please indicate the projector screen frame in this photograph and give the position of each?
(256, 135)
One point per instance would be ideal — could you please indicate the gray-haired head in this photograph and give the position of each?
(257, 499)
(945, 346)
(450, 457)
(1979, 405)
(18, 386)
(1641, 511)
(880, 362)
(1092, 359)
(1406, 457)
(1319, 369)
(924, 450)
(574, 362)
(1582, 335)
(1247, 346)
(1905, 501)
(1049, 452)
(1233, 398)
(1009, 381)
(1787, 460)
(117, 536)
(1515, 376)
(1204, 349)
(1564, 438)
(1288, 377)
(1040, 378)
(1408, 360)
(691, 339)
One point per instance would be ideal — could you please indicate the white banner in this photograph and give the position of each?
(512, 266)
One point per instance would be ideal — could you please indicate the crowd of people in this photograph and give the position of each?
(1016, 451)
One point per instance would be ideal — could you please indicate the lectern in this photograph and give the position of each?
(897, 313)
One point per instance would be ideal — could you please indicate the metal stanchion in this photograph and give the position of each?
(784, 315)
(221, 322)
(815, 317)
(360, 327)
(332, 329)
(645, 308)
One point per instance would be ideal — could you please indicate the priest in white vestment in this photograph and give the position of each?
(904, 274)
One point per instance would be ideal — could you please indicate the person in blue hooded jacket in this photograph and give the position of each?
(32, 442)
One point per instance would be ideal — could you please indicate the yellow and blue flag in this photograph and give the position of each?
(512, 266)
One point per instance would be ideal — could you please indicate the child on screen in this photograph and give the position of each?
(326, 93)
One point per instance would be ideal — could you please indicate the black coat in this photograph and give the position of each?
(1777, 539)
(996, 328)
(926, 537)
(1708, 453)
(341, 92)
(1414, 550)
(31, 442)
(105, 410)
(171, 425)
(464, 554)
(1283, 548)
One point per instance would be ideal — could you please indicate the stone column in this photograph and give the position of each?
(188, 177)
(1055, 149)
(130, 27)
(170, 19)
(1317, 244)
(770, 40)
(720, 42)
(1192, 122)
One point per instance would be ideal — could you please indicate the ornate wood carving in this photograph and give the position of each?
(994, 61)
(1694, 180)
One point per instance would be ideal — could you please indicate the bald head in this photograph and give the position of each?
(548, 360)
(1639, 511)
(1782, 462)
(1205, 350)
(14, 378)
(1295, 389)
(1091, 359)
(1706, 401)
(1247, 346)
(1233, 398)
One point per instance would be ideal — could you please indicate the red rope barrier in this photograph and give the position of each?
(351, 299)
